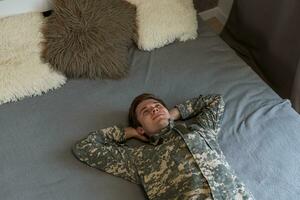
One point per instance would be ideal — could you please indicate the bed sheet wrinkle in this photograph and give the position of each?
(149, 66)
(217, 48)
(51, 183)
(240, 91)
(206, 34)
(249, 120)
(133, 54)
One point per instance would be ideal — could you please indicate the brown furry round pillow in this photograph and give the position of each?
(89, 39)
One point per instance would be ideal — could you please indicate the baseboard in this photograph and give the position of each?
(214, 12)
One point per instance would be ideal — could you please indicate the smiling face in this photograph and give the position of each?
(152, 116)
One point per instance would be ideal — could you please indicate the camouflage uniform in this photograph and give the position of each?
(182, 161)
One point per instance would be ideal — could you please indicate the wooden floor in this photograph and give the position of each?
(215, 24)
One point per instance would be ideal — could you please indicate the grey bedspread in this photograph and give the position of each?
(260, 134)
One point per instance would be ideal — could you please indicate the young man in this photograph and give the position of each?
(178, 160)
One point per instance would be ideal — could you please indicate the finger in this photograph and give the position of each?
(143, 138)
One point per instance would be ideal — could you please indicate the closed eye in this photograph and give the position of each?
(158, 105)
(145, 112)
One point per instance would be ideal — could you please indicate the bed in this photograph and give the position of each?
(260, 134)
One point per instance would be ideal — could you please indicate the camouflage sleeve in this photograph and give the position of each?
(104, 150)
(207, 110)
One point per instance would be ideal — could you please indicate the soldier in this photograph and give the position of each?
(178, 160)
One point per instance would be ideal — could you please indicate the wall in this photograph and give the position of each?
(221, 11)
(202, 5)
(225, 6)
(12, 7)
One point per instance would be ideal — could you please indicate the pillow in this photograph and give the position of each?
(22, 72)
(160, 22)
(89, 39)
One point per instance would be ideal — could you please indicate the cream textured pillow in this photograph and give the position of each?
(160, 22)
(22, 73)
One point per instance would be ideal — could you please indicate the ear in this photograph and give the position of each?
(140, 130)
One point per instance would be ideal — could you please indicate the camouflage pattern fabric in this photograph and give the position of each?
(181, 162)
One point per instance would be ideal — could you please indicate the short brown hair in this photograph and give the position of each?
(132, 117)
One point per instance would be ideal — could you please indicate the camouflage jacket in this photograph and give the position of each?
(182, 161)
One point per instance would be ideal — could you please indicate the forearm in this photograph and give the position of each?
(128, 133)
(102, 151)
(133, 133)
(113, 134)
(212, 114)
(194, 106)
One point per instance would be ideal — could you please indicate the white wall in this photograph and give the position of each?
(221, 12)
(225, 6)
(12, 7)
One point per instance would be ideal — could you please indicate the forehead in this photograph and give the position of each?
(146, 103)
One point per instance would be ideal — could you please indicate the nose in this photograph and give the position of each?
(155, 110)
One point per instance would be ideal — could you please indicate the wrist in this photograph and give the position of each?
(174, 113)
(129, 132)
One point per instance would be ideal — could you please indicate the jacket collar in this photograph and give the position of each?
(157, 138)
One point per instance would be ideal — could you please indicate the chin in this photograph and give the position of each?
(164, 122)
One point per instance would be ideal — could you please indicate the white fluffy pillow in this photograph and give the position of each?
(160, 22)
(22, 73)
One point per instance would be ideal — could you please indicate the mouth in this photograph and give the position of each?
(158, 115)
